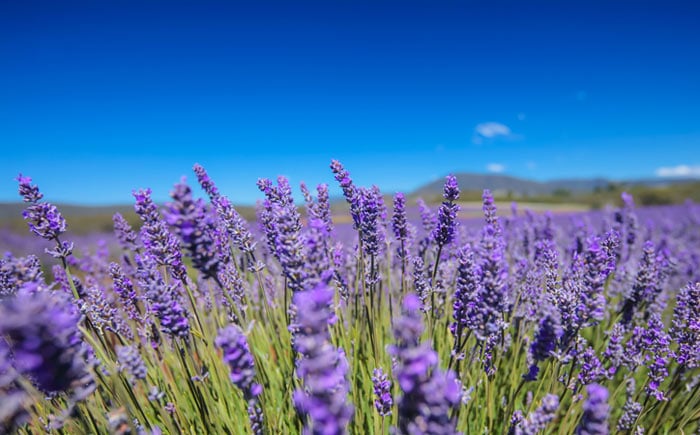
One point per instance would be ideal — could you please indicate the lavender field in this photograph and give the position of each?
(404, 320)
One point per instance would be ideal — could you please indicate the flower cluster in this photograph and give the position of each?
(428, 393)
(238, 357)
(355, 319)
(323, 369)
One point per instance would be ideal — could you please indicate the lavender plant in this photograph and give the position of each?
(424, 321)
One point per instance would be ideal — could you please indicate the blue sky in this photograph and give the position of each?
(99, 98)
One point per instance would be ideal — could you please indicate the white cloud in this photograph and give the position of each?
(495, 167)
(491, 130)
(679, 171)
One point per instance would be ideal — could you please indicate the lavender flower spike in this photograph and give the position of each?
(192, 222)
(229, 219)
(28, 191)
(398, 220)
(382, 392)
(43, 218)
(42, 329)
(238, 357)
(592, 306)
(128, 239)
(323, 399)
(465, 308)
(369, 225)
(159, 242)
(547, 336)
(349, 191)
(131, 362)
(428, 393)
(537, 421)
(207, 184)
(125, 290)
(489, 208)
(444, 232)
(234, 225)
(163, 299)
(595, 412)
(685, 326)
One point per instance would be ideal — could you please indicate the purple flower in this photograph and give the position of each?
(515, 421)
(421, 285)
(398, 220)
(383, 401)
(685, 329)
(102, 315)
(655, 343)
(229, 221)
(466, 310)
(308, 198)
(545, 341)
(646, 285)
(234, 225)
(321, 208)
(318, 263)
(61, 279)
(592, 300)
(591, 367)
(567, 300)
(44, 219)
(631, 410)
(595, 412)
(125, 290)
(494, 298)
(20, 273)
(611, 246)
(28, 191)
(160, 243)
(234, 290)
(164, 300)
(43, 337)
(614, 352)
(350, 192)
(323, 369)
(239, 359)
(192, 222)
(127, 237)
(489, 208)
(548, 264)
(130, 361)
(283, 230)
(444, 232)
(207, 184)
(428, 393)
(538, 420)
(369, 222)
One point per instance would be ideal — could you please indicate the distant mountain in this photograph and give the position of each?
(504, 184)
